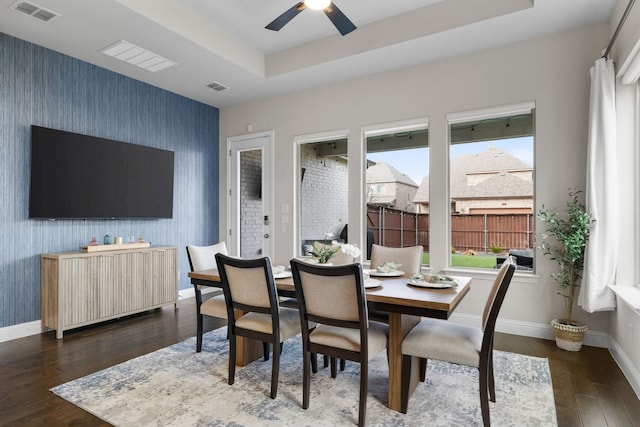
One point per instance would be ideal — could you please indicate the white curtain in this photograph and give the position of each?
(601, 192)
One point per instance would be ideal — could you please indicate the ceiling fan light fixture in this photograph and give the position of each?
(317, 4)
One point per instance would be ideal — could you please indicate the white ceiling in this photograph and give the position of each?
(225, 40)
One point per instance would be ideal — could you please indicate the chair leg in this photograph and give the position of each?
(281, 347)
(334, 368)
(265, 350)
(275, 370)
(200, 319)
(343, 364)
(364, 382)
(199, 332)
(314, 363)
(423, 370)
(325, 358)
(484, 394)
(492, 386)
(406, 382)
(305, 377)
(232, 359)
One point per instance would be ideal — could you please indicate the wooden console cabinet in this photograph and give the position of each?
(80, 288)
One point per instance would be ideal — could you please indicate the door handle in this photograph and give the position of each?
(266, 236)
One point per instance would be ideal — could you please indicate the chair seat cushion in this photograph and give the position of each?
(349, 339)
(261, 322)
(444, 340)
(215, 307)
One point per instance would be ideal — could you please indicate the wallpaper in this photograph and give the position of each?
(45, 88)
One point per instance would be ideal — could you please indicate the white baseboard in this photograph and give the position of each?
(630, 372)
(534, 330)
(26, 329)
(191, 293)
(20, 330)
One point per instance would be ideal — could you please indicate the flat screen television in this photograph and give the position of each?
(76, 176)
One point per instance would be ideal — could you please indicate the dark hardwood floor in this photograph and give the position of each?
(589, 388)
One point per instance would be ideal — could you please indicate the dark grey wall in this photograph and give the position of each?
(42, 87)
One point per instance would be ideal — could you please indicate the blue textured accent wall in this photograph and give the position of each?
(42, 87)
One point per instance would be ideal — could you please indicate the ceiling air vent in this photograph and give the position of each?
(135, 55)
(34, 10)
(217, 86)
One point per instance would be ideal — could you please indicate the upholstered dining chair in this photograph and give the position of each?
(249, 287)
(410, 257)
(334, 298)
(460, 344)
(202, 258)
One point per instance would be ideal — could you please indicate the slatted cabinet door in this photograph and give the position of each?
(87, 291)
(165, 272)
(133, 289)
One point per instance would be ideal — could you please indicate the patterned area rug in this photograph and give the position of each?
(175, 386)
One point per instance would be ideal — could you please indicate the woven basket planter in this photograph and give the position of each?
(568, 336)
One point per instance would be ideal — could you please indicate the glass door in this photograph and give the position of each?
(250, 194)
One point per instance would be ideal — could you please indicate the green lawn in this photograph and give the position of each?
(473, 261)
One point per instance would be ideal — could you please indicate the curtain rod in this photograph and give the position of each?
(620, 24)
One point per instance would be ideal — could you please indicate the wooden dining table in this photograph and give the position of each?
(404, 303)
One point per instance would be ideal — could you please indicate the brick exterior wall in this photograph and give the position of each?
(251, 228)
(323, 195)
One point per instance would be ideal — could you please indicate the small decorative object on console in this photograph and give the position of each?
(93, 242)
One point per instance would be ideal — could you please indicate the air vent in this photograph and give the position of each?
(217, 86)
(34, 10)
(134, 55)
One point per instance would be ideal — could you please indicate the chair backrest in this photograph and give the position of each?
(410, 257)
(330, 295)
(494, 301)
(248, 284)
(203, 257)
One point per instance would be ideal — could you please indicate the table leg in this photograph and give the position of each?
(399, 326)
(247, 350)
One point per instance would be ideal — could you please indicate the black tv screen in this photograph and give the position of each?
(79, 176)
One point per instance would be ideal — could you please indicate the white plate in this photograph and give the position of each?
(372, 283)
(282, 275)
(440, 284)
(394, 273)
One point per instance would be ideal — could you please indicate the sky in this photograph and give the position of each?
(415, 162)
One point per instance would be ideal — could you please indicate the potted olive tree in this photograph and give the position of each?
(565, 241)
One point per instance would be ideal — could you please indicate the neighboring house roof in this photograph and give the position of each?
(501, 185)
(384, 172)
(496, 170)
(422, 196)
(494, 159)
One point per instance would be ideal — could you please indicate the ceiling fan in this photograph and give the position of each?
(339, 19)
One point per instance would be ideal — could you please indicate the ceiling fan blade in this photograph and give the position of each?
(339, 19)
(284, 19)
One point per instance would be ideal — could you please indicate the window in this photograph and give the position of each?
(323, 191)
(491, 188)
(396, 199)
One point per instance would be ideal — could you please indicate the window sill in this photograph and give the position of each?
(629, 294)
(520, 276)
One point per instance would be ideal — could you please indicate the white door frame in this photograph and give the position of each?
(235, 145)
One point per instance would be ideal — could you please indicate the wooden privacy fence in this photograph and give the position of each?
(479, 233)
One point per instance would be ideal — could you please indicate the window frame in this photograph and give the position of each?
(528, 107)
